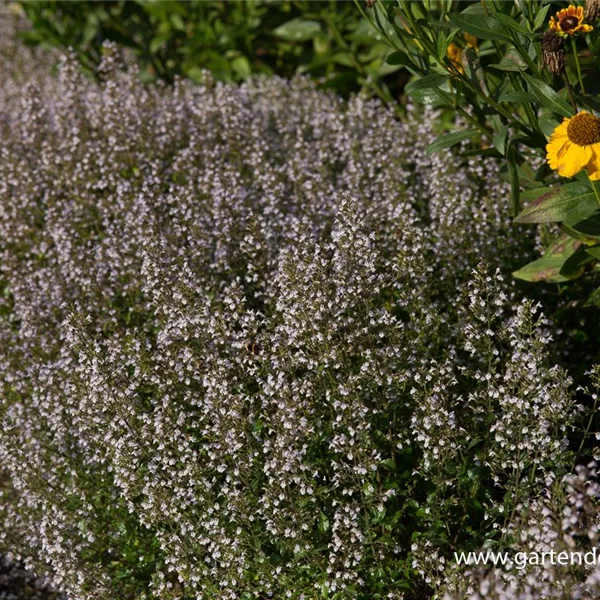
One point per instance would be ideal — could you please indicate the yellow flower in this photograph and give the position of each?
(570, 21)
(454, 53)
(471, 40)
(575, 145)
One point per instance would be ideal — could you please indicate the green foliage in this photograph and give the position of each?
(512, 88)
(233, 40)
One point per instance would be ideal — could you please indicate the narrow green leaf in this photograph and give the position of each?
(446, 141)
(429, 82)
(548, 97)
(499, 139)
(511, 24)
(511, 61)
(483, 152)
(570, 203)
(485, 27)
(517, 97)
(540, 17)
(513, 173)
(441, 45)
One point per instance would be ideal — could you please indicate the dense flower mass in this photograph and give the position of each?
(247, 349)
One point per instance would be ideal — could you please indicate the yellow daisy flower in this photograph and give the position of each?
(570, 21)
(575, 145)
(454, 53)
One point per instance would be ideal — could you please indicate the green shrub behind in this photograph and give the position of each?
(232, 40)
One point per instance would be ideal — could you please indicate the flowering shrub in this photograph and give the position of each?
(523, 76)
(250, 346)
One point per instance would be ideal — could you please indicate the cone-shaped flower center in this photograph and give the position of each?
(569, 23)
(584, 129)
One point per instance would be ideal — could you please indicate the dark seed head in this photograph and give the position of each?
(569, 23)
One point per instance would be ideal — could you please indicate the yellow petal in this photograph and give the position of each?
(593, 166)
(575, 159)
(557, 151)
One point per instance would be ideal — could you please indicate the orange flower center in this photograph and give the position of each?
(569, 23)
(584, 129)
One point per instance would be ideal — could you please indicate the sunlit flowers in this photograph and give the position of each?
(575, 145)
(569, 21)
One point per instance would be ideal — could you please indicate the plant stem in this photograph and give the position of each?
(576, 55)
(596, 193)
(570, 90)
(593, 411)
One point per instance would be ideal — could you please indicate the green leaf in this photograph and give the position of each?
(517, 97)
(515, 187)
(483, 152)
(446, 141)
(594, 251)
(511, 24)
(511, 61)
(241, 67)
(578, 235)
(429, 82)
(399, 58)
(540, 18)
(589, 227)
(570, 203)
(323, 522)
(574, 266)
(548, 268)
(594, 299)
(548, 97)
(543, 269)
(298, 30)
(548, 125)
(441, 45)
(499, 140)
(485, 27)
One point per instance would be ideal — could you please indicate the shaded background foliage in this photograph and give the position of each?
(232, 39)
